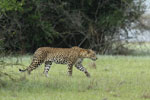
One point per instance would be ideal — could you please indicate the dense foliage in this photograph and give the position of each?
(26, 25)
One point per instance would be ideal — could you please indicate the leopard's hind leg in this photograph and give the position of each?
(70, 68)
(34, 64)
(47, 67)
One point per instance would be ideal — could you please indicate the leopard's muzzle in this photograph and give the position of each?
(94, 58)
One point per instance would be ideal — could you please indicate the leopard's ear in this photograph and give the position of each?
(85, 52)
(88, 51)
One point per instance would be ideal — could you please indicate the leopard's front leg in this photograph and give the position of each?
(80, 67)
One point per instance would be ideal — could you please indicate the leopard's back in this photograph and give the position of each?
(57, 55)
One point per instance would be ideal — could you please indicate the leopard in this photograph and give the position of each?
(70, 56)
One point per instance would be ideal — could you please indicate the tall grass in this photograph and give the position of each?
(113, 78)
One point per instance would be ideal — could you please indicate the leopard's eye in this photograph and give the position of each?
(94, 55)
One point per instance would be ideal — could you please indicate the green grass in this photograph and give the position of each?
(115, 78)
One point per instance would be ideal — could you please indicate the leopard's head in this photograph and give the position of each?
(88, 53)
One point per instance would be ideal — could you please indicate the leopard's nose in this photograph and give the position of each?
(94, 59)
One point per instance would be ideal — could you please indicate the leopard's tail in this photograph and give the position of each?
(23, 70)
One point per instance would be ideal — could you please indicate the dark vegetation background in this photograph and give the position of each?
(26, 25)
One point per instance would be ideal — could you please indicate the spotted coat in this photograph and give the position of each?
(70, 56)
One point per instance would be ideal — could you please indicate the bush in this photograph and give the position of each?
(27, 25)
